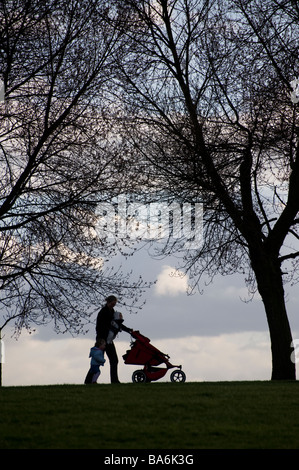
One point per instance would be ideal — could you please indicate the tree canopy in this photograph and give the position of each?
(210, 91)
(57, 161)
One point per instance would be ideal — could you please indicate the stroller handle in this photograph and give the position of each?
(137, 335)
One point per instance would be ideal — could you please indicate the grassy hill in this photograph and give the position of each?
(215, 415)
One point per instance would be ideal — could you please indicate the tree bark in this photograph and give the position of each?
(270, 286)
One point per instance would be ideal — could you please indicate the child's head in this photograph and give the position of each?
(100, 343)
(118, 316)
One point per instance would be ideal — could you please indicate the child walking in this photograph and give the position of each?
(97, 359)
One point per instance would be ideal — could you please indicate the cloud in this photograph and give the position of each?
(171, 282)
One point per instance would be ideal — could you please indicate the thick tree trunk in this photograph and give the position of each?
(270, 286)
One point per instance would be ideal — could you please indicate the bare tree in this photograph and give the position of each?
(57, 161)
(208, 91)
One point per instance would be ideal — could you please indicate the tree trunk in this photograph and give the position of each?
(270, 286)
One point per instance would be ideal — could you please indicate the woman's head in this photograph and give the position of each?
(111, 301)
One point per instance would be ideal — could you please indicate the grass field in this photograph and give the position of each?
(215, 415)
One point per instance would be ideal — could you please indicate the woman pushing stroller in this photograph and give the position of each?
(109, 323)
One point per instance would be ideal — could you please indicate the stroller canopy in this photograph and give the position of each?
(142, 352)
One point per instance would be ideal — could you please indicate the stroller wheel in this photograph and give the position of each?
(139, 376)
(178, 376)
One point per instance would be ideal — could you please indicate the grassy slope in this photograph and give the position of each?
(223, 415)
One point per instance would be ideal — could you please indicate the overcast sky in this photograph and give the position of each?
(214, 336)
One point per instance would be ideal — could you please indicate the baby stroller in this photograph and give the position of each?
(143, 353)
